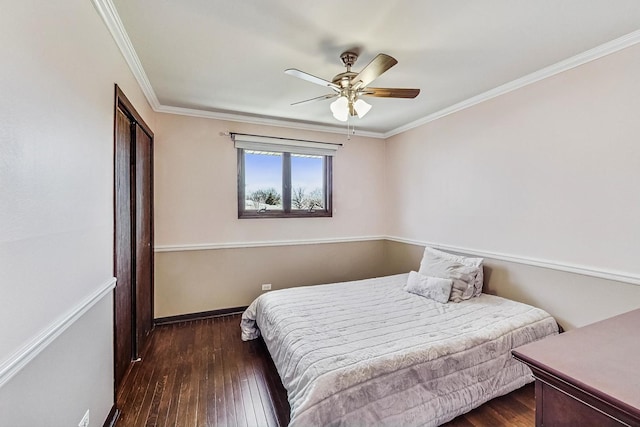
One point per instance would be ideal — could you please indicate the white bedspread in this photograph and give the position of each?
(369, 353)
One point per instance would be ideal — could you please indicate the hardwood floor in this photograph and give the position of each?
(200, 373)
(516, 409)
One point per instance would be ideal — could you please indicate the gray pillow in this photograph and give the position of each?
(465, 272)
(433, 288)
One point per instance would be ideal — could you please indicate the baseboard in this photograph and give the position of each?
(198, 316)
(112, 418)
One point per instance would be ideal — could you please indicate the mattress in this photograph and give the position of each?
(369, 353)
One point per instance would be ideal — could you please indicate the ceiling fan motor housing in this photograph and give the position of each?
(348, 59)
(344, 79)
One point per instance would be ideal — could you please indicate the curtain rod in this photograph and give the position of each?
(231, 134)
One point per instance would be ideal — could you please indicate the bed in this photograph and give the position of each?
(370, 353)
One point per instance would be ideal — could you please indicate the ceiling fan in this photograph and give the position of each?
(349, 87)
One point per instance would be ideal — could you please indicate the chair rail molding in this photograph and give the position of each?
(37, 344)
(262, 244)
(601, 273)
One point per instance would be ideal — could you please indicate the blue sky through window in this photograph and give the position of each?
(262, 171)
(307, 172)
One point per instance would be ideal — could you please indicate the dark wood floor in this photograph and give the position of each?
(200, 373)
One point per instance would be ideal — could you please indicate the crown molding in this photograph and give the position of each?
(37, 344)
(235, 117)
(107, 11)
(559, 67)
(109, 15)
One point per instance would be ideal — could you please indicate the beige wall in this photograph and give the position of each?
(196, 186)
(549, 172)
(195, 281)
(59, 66)
(196, 204)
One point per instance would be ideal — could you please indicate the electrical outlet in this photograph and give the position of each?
(84, 422)
(266, 287)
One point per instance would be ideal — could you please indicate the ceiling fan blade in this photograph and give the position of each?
(311, 78)
(389, 92)
(373, 70)
(318, 98)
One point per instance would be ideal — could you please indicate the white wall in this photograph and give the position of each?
(73, 374)
(59, 66)
(549, 171)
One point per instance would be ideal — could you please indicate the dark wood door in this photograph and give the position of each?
(144, 239)
(133, 245)
(123, 257)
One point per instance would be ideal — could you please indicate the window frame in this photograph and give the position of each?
(287, 211)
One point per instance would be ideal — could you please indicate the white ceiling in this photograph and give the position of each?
(227, 57)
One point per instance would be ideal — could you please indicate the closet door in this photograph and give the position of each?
(133, 239)
(123, 256)
(144, 239)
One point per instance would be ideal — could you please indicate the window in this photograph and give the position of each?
(282, 178)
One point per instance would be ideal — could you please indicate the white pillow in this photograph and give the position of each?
(433, 288)
(466, 273)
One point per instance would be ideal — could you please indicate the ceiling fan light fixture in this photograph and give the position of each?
(340, 108)
(361, 107)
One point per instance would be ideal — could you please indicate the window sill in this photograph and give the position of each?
(292, 214)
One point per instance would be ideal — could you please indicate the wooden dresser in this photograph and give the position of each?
(588, 376)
